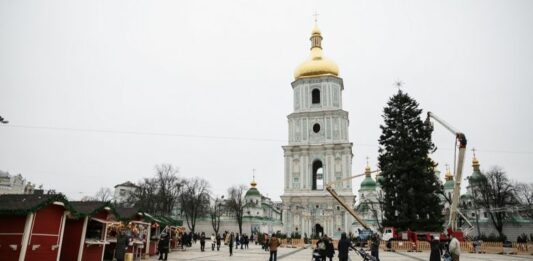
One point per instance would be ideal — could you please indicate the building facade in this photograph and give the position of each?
(16, 184)
(319, 151)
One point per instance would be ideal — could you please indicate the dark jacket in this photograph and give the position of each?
(344, 247)
(122, 245)
(163, 244)
(330, 250)
(435, 250)
(375, 244)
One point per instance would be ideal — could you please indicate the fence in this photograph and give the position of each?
(467, 246)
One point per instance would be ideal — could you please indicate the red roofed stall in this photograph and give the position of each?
(32, 226)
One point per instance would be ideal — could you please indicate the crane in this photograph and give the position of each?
(461, 143)
(330, 187)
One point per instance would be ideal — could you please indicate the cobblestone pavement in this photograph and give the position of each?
(293, 254)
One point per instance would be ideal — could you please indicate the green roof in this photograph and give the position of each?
(450, 184)
(476, 177)
(368, 184)
(252, 192)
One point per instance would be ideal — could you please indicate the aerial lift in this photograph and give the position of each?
(461, 144)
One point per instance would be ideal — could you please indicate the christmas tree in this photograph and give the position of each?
(409, 182)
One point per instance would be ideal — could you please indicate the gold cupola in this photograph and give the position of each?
(317, 64)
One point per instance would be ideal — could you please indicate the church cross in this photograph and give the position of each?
(253, 173)
(474, 151)
(367, 160)
(316, 16)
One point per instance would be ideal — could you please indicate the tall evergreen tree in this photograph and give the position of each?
(409, 181)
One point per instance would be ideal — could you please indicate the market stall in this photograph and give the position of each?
(32, 226)
(86, 231)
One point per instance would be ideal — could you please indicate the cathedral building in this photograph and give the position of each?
(319, 151)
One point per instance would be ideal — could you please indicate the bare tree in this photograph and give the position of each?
(496, 192)
(235, 203)
(215, 212)
(376, 208)
(145, 196)
(194, 200)
(169, 187)
(160, 194)
(524, 194)
(103, 194)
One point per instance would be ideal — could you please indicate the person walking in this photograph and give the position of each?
(218, 241)
(330, 249)
(202, 242)
(273, 245)
(374, 246)
(162, 246)
(436, 251)
(230, 243)
(213, 241)
(122, 245)
(344, 246)
(455, 248)
(321, 247)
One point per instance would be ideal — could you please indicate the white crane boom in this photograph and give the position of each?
(461, 140)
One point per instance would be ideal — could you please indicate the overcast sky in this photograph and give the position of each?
(99, 92)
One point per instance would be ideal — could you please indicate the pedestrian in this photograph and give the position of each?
(246, 241)
(344, 246)
(219, 238)
(436, 251)
(455, 248)
(273, 245)
(237, 241)
(213, 241)
(162, 246)
(230, 243)
(122, 245)
(265, 242)
(330, 250)
(202, 242)
(321, 247)
(374, 246)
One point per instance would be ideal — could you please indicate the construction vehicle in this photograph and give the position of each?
(461, 144)
(365, 233)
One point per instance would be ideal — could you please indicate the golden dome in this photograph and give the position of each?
(317, 63)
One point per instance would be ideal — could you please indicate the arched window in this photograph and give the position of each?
(315, 96)
(318, 175)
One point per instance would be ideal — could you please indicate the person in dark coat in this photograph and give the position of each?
(122, 245)
(374, 246)
(218, 241)
(436, 251)
(230, 243)
(344, 247)
(202, 242)
(162, 246)
(330, 249)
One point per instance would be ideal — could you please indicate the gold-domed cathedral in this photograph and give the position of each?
(319, 151)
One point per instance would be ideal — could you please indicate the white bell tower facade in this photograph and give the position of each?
(319, 151)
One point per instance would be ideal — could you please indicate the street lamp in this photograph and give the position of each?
(3, 121)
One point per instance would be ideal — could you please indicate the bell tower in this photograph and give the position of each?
(319, 151)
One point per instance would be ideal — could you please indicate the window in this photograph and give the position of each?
(318, 176)
(316, 128)
(485, 215)
(315, 96)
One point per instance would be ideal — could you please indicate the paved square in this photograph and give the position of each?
(292, 254)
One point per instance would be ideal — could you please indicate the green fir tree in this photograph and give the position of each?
(409, 183)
